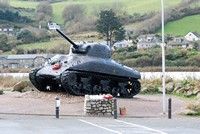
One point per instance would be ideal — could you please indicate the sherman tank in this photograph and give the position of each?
(87, 69)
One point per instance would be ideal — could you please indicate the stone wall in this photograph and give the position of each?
(98, 105)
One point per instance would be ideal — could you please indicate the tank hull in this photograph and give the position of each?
(79, 82)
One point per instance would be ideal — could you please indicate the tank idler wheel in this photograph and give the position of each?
(136, 87)
(133, 88)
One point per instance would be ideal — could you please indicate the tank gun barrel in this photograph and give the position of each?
(70, 41)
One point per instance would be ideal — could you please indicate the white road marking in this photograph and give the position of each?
(117, 132)
(140, 126)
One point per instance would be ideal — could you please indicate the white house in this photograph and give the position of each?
(122, 44)
(179, 42)
(7, 30)
(192, 36)
(147, 41)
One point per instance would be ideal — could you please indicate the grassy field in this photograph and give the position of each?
(43, 45)
(183, 26)
(94, 6)
(57, 41)
(23, 4)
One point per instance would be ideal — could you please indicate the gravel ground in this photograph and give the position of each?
(43, 103)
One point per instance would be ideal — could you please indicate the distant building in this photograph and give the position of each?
(7, 30)
(2, 61)
(53, 26)
(192, 36)
(23, 60)
(148, 41)
(122, 44)
(179, 42)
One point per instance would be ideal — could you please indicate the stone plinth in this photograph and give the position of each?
(98, 105)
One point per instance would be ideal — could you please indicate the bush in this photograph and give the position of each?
(195, 108)
(134, 55)
(60, 48)
(1, 92)
(4, 45)
(151, 86)
(30, 34)
(19, 51)
(143, 61)
(44, 11)
(86, 24)
(73, 12)
(9, 81)
(26, 36)
(194, 61)
(130, 62)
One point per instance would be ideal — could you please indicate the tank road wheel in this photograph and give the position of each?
(41, 86)
(105, 86)
(71, 83)
(124, 92)
(96, 89)
(87, 87)
(114, 88)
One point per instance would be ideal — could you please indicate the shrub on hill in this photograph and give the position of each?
(5, 45)
(175, 57)
(153, 24)
(73, 12)
(13, 16)
(30, 34)
(26, 36)
(51, 1)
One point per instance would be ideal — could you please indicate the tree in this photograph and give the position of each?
(73, 12)
(44, 13)
(25, 36)
(120, 34)
(45, 8)
(109, 26)
(5, 46)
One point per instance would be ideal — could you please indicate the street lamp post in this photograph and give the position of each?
(163, 57)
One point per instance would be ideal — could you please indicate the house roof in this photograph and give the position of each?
(27, 56)
(144, 38)
(178, 41)
(123, 42)
(196, 34)
(3, 56)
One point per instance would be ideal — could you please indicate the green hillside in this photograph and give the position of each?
(183, 26)
(93, 6)
(23, 4)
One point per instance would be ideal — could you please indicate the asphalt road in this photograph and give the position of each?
(15, 124)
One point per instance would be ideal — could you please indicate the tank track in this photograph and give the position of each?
(81, 83)
(43, 84)
(32, 76)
